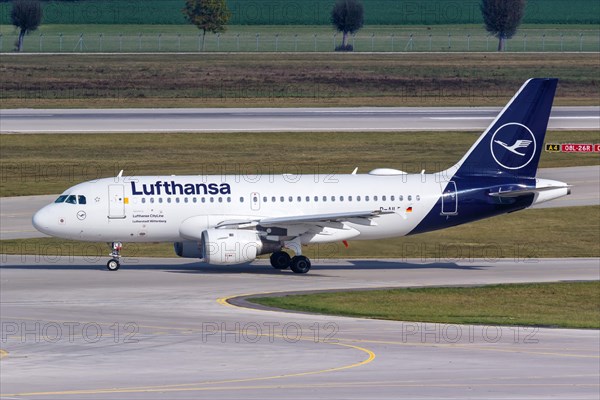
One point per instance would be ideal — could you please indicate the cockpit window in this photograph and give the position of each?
(71, 199)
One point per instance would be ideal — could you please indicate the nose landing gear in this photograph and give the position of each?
(114, 264)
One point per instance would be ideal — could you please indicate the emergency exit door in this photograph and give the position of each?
(116, 201)
(449, 198)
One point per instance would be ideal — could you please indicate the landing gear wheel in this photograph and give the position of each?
(115, 253)
(113, 265)
(300, 264)
(280, 260)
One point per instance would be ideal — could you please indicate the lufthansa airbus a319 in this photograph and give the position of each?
(226, 220)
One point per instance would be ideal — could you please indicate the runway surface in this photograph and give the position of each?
(161, 328)
(16, 212)
(273, 119)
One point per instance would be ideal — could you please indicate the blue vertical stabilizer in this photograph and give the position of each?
(512, 144)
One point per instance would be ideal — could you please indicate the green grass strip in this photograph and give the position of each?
(565, 304)
(285, 79)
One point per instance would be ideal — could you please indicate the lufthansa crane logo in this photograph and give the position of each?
(513, 146)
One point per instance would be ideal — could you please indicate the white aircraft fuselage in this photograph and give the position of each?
(118, 209)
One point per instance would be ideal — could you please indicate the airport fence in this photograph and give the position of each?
(461, 41)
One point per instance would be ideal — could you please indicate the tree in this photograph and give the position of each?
(502, 18)
(347, 16)
(27, 16)
(208, 15)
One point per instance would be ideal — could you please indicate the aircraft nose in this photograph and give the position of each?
(41, 220)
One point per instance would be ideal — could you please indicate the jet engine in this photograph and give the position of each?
(230, 246)
(226, 246)
(188, 249)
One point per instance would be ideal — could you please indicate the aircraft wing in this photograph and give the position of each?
(334, 217)
(305, 219)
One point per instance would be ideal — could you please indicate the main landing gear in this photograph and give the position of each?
(114, 264)
(298, 264)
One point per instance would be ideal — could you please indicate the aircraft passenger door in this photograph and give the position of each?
(116, 202)
(254, 201)
(449, 198)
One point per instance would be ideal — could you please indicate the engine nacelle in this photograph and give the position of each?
(188, 249)
(230, 246)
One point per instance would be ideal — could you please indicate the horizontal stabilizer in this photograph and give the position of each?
(526, 191)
